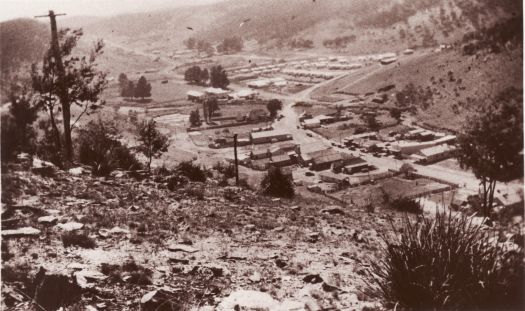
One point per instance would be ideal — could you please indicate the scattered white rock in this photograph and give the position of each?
(47, 219)
(52, 212)
(148, 296)
(76, 171)
(251, 300)
(248, 300)
(333, 209)
(83, 278)
(25, 231)
(182, 248)
(255, 277)
(118, 230)
(70, 226)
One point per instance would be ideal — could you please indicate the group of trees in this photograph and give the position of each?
(54, 88)
(501, 36)
(129, 89)
(491, 143)
(209, 106)
(339, 42)
(230, 45)
(301, 43)
(202, 46)
(217, 76)
(413, 97)
(197, 75)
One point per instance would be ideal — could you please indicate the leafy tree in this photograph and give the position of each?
(406, 169)
(123, 84)
(219, 77)
(152, 143)
(275, 183)
(129, 91)
(195, 119)
(491, 142)
(212, 105)
(395, 113)
(205, 76)
(204, 46)
(273, 106)
(82, 85)
(193, 75)
(18, 134)
(99, 148)
(190, 43)
(370, 120)
(143, 88)
(230, 45)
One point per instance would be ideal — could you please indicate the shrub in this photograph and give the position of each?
(228, 170)
(447, 263)
(275, 183)
(194, 172)
(99, 148)
(78, 239)
(406, 205)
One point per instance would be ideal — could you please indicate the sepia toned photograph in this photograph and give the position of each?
(262, 155)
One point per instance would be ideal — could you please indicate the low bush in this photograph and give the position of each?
(406, 205)
(227, 169)
(448, 263)
(276, 184)
(78, 239)
(194, 172)
(99, 148)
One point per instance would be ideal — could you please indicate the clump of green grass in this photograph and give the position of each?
(448, 263)
(78, 239)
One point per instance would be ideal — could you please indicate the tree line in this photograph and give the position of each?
(130, 89)
(228, 45)
(217, 76)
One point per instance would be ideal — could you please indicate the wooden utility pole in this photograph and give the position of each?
(62, 88)
(236, 161)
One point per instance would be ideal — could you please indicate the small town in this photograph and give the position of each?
(262, 155)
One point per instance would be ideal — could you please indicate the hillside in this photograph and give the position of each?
(22, 42)
(375, 24)
(194, 244)
(443, 85)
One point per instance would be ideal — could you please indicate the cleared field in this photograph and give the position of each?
(385, 190)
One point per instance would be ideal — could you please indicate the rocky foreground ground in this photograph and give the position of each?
(125, 243)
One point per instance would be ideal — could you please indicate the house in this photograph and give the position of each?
(436, 153)
(245, 94)
(354, 138)
(388, 60)
(275, 151)
(414, 147)
(195, 95)
(257, 115)
(304, 151)
(340, 179)
(219, 93)
(258, 84)
(269, 136)
(311, 123)
(281, 160)
(288, 146)
(323, 119)
(354, 166)
(261, 153)
(323, 160)
(304, 115)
